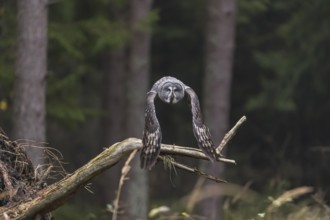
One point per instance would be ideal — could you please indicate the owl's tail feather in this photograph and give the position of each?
(149, 159)
(204, 140)
(148, 156)
(209, 150)
(150, 150)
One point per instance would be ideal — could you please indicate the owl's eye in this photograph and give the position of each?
(177, 89)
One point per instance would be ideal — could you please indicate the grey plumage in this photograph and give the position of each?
(171, 90)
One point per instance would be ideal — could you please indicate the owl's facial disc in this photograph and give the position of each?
(171, 93)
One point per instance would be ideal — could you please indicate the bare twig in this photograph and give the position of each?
(6, 181)
(193, 197)
(124, 171)
(193, 170)
(318, 197)
(288, 196)
(230, 134)
(190, 152)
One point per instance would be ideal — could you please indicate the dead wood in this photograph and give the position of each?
(16, 172)
(56, 194)
(40, 201)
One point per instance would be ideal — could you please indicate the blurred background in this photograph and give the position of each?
(75, 74)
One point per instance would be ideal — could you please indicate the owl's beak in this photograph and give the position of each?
(172, 96)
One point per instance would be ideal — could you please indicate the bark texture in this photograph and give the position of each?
(30, 75)
(113, 100)
(113, 122)
(137, 83)
(219, 46)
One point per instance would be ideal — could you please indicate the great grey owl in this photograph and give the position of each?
(171, 90)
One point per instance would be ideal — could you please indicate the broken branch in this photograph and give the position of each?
(230, 134)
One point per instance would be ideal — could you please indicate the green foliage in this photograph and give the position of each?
(278, 85)
(79, 212)
(64, 104)
(7, 56)
(150, 21)
(248, 9)
(68, 39)
(7, 47)
(283, 80)
(106, 34)
(302, 53)
(77, 42)
(66, 71)
(300, 211)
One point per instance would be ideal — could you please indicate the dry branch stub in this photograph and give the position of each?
(18, 181)
(16, 172)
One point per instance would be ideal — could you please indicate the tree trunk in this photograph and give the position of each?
(30, 75)
(220, 35)
(113, 122)
(137, 83)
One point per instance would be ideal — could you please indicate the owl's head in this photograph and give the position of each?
(171, 92)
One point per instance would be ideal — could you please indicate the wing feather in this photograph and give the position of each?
(151, 135)
(201, 132)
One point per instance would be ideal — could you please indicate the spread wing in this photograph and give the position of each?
(201, 132)
(151, 135)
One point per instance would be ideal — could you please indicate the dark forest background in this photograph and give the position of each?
(104, 55)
